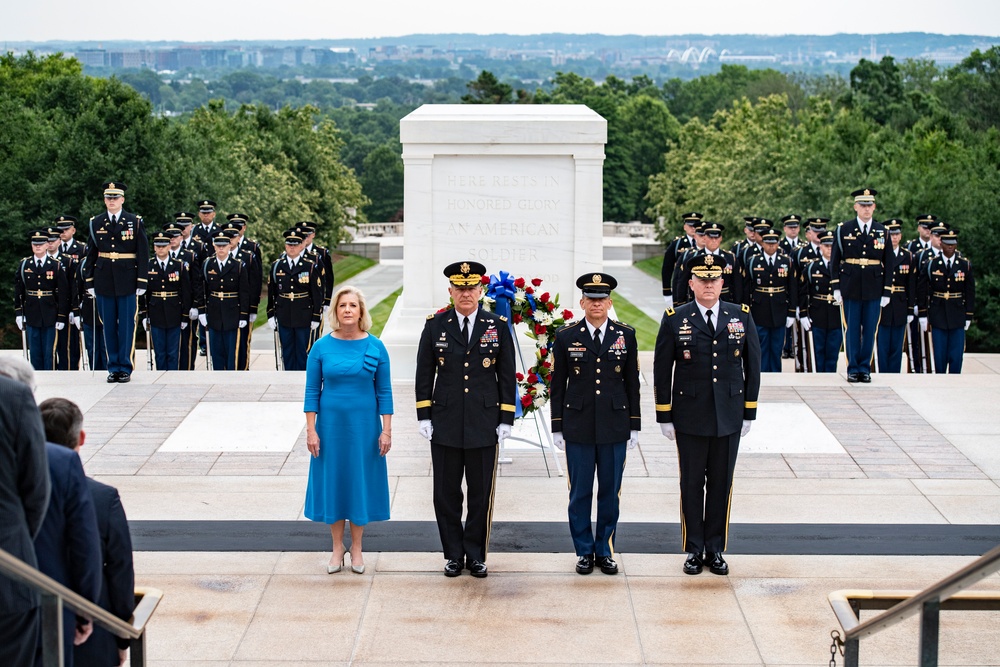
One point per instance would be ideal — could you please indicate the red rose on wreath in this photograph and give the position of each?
(529, 290)
(484, 280)
(544, 298)
(519, 283)
(517, 319)
(536, 281)
(526, 401)
(532, 378)
(543, 351)
(519, 376)
(567, 315)
(541, 329)
(551, 306)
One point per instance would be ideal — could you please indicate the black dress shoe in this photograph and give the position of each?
(864, 377)
(123, 377)
(477, 569)
(693, 564)
(202, 352)
(853, 377)
(453, 568)
(112, 377)
(585, 564)
(716, 564)
(607, 564)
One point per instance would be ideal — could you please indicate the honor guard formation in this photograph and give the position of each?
(195, 287)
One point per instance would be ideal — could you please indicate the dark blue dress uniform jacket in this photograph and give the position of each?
(122, 276)
(860, 261)
(168, 294)
(595, 392)
(946, 298)
(903, 271)
(466, 390)
(51, 279)
(770, 291)
(294, 296)
(225, 312)
(816, 296)
(706, 382)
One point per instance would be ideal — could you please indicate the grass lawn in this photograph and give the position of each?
(645, 327)
(380, 313)
(653, 266)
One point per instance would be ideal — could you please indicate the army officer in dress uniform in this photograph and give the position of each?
(820, 314)
(117, 256)
(706, 374)
(770, 292)
(294, 301)
(465, 387)
(224, 308)
(902, 297)
(595, 417)
(166, 303)
(41, 301)
(946, 299)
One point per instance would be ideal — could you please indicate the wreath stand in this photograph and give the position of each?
(544, 440)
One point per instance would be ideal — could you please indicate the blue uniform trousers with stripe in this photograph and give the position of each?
(118, 315)
(582, 461)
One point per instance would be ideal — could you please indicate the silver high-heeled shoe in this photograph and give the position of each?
(357, 569)
(333, 569)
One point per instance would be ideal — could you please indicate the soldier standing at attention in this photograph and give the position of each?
(189, 258)
(902, 298)
(224, 309)
(115, 253)
(771, 294)
(321, 258)
(946, 296)
(595, 417)
(925, 222)
(67, 339)
(248, 253)
(819, 312)
(41, 301)
(674, 248)
(166, 303)
(465, 389)
(706, 374)
(861, 279)
(294, 301)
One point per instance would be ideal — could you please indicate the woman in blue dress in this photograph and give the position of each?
(348, 389)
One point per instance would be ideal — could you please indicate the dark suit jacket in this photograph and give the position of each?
(595, 392)
(118, 582)
(68, 545)
(465, 389)
(24, 487)
(122, 276)
(707, 383)
(869, 280)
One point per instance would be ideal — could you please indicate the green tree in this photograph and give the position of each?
(382, 183)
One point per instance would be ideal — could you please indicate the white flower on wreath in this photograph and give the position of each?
(542, 340)
(519, 296)
(541, 389)
(540, 401)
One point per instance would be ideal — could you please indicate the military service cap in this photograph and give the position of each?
(940, 227)
(596, 285)
(221, 237)
(817, 224)
(161, 239)
(770, 236)
(712, 229)
(791, 220)
(53, 233)
(114, 189)
(240, 219)
(307, 227)
(708, 266)
(826, 237)
(64, 222)
(293, 236)
(465, 274)
(172, 229)
(692, 218)
(183, 218)
(39, 237)
(205, 206)
(949, 236)
(926, 220)
(749, 220)
(894, 225)
(864, 195)
(762, 225)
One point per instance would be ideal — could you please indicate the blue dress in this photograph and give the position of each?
(348, 386)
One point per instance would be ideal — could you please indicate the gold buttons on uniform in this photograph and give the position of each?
(715, 368)
(598, 391)
(597, 381)
(466, 390)
(598, 370)
(466, 377)
(466, 364)
(715, 354)
(715, 342)
(598, 360)
(713, 380)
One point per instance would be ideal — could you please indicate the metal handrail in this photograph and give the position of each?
(149, 598)
(901, 605)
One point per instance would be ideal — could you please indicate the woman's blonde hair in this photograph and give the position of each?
(364, 321)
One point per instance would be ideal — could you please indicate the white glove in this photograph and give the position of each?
(193, 314)
(789, 321)
(203, 319)
(19, 320)
(184, 325)
(668, 430)
(425, 429)
(916, 310)
(503, 432)
(836, 297)
(923, 325)
(140, 291)
(798, 314)
(92, 292)
(313, 326)
(909, 319)
(807, 324)
(883, 302)
(272, 323)
(60, 326)
(77, 321)
(968, 323)
(633, 440)
(746, 428)
(559, 441)
(326, 309)
(669, 300)
(243, 324)
(145, 323)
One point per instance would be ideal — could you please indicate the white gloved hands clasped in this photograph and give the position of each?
(667, 429)
(425, 429)
(243, 324)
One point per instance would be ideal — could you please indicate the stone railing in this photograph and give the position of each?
(379, 229)
(633, 230)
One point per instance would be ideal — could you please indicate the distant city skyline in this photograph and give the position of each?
(217, 20)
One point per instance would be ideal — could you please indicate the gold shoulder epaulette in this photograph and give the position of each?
(745, 308)
(431, 316)
(502, 318)
(670, 312)
(566, 325)
(624, 326)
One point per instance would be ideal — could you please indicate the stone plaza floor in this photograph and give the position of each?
(890, 476)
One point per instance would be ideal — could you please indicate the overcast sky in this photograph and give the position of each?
(212, 20)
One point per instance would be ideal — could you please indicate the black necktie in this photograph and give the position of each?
(465, 329)
(711, 324)
(114, 220)
(597, 338)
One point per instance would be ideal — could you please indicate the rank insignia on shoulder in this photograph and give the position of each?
(502, 318)
(430, 317)
(670, 312)
(745, 308)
